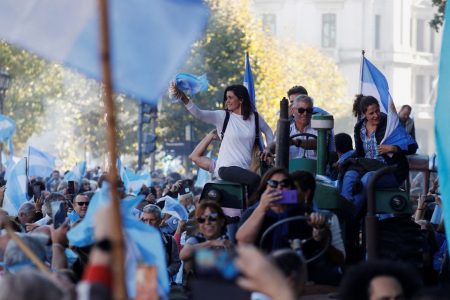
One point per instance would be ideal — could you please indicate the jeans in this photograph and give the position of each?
(240, 175)
(351, 177)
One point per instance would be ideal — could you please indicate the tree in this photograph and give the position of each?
(438, 19)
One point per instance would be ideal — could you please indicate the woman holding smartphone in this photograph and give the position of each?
(275, 187)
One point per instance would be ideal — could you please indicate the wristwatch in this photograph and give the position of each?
(104, 245)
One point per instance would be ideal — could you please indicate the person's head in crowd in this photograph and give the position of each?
(3, 213)
(370, 110)
(29, 284)
(294, 92)
(236, 97)
(80, 204)
(187, 200)
(89, 194)
(27, 213)
(85, 186)
(274, 178)
(306, 187)
(55, 175)
(404, 113)
(293, 268)
(52, 197)
(210, 219)
(15, 259)
(356, 109)
(343, 143)
(380, 279)
(151, 215)
(35, 182)
(303, 110)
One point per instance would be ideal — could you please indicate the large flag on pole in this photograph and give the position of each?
(248, 82)
(149, 39)
(16, 187)
(442, 113)
(40, 163)
(374, 83)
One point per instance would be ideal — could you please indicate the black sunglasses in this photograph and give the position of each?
(282, 184)
(302, 110)
(211, 217)
(83, 203)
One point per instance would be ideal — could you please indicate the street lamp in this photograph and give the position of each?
(5, 81)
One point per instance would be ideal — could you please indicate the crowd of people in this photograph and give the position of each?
(253, 254)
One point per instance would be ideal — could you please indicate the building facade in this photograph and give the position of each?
(395, 35)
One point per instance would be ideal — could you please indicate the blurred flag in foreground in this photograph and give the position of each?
(40, 163)
(16, 187)
(143, 242)
(373, 83)
(149, 39)
(442, 113)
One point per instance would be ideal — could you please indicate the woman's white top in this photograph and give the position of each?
(239, 137)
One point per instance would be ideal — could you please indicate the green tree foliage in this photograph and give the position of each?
(67, 107)
(438, 19)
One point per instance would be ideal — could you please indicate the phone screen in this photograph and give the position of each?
(71, 187)
(58, 213)
(215, 276)
(288, 197)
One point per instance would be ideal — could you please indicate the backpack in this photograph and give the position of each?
(225, 124)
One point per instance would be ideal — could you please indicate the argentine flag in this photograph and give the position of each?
(16, 187)
(137, 180)
(40, 163)
(149, 39)
(143, 242)
(7, 129)
(373, 83)
(442, 129)
(77, 174)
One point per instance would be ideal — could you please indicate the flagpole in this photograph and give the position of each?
(119, 287)
(361, 71)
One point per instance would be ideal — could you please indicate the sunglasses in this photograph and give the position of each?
(302, 110)
(211, 217)
(83, 203)
(282, 184)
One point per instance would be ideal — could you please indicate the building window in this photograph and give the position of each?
(420, 35)
(329, 30)
(431, 40)
(420, 89)
(270, 23)
(377, 31)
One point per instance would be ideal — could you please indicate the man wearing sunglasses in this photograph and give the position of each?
(80, 206)
(302, 112)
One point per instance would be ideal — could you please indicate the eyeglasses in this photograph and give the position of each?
(83, 203)
(211, 217)
(302, 110)
(282, 184)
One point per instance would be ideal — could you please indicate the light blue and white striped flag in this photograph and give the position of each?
(144, 243)
(16, 187)
(77, 174)
(137, 180)
(40, 163)
(374, 83)
(149, 39)
(442, 113)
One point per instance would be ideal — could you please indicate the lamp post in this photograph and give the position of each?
(5, 81)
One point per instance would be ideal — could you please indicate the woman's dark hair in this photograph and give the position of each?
(356, 282)
(357, 106)
(263, 183)
(242, 93)
(305, 181)
(367, 101)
